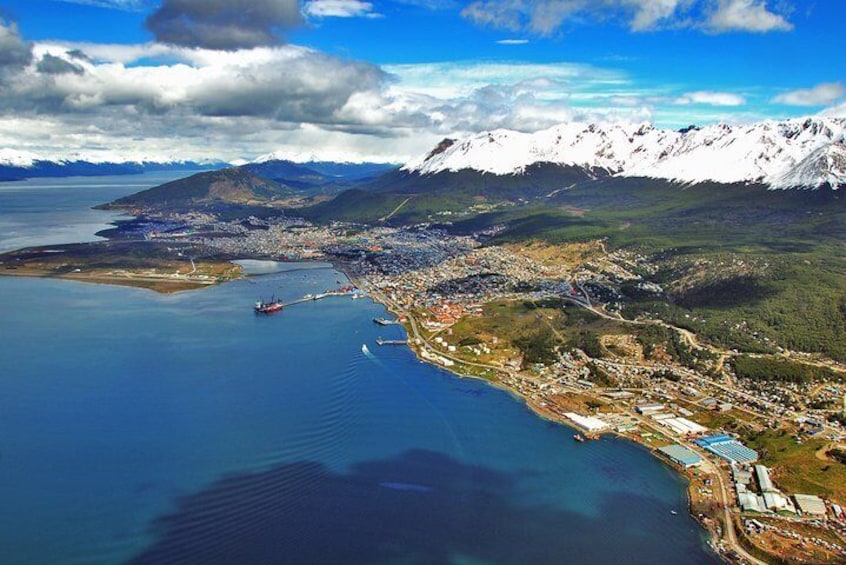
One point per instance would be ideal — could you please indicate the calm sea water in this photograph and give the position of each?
(137, 427)
(53, 211)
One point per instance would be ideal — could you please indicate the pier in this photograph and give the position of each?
(386, 322)
(381, 341)
(314, 297)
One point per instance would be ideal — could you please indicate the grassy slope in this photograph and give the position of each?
(790, 290)
(230, 186)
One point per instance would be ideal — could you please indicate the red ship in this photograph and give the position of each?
(262, 307)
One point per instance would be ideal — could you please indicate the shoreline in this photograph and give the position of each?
(160, 267)
(713, 539)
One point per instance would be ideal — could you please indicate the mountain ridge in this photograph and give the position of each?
(801, 152)
(231, 186)
(16, 165)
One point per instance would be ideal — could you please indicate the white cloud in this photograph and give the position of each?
(513, 41)
(157, 101)
(128, 5)
(649, 14)
(339, 9)
(546, 17)
(838, 111)
(820, 95)
(14, 51)
(238, 104)
(745, 15)
(711, 98)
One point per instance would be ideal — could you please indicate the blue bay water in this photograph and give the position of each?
(146, 428)
(52, 211)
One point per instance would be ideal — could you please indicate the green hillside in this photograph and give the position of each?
(233, 186)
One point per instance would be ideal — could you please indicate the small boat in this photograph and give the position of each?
(579, 438)
(673, 512)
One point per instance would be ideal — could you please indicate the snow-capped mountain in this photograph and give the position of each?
(806, 152)
(16, 158)
(17, 165)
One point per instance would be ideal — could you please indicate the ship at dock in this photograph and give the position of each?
(385, 322)
(268, 307)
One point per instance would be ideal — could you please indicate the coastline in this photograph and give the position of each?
(714, 539)
(418, 345)
(141, 264)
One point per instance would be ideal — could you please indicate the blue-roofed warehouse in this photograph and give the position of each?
(681, 455)
(728, 448)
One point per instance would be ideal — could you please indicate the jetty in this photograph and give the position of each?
(386, 322)
(381, 341)
(313, 297)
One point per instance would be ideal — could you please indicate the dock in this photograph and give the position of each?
(386, 322)
(381, 341)
(314, 297)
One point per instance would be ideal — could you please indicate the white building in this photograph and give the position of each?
(587, 423)
(810, 505)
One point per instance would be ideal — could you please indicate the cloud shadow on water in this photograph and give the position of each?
(420, 507)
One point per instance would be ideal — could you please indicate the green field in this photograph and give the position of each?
(797, 468)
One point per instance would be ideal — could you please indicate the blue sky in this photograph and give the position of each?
(386, 79)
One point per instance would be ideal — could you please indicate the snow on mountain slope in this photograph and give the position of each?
(806, 152)
(15, 158)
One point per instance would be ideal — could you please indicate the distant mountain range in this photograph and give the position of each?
(317, 176)
(511, 167)
(797, 153)
(253, 184)
(18, 167)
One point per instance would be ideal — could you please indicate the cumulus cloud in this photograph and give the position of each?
(711, 98)
(159, 100)
(820, 95)
(52, 65)
(282, 84)
(222, 24)
(745, 15)
(231, 104)
(546, 17)
(339, 9)
(14, 51)
(79, 55)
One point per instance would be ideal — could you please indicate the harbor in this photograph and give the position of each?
(343, 291)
